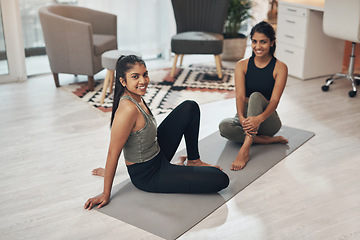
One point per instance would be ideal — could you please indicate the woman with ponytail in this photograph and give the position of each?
(148, 149)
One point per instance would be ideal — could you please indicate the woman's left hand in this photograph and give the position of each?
(251, 125)
(100, 200)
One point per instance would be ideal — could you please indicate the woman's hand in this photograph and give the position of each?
(251, 125)
(247, 130)
(102, 200)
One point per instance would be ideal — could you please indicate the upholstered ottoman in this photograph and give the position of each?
(108, 61)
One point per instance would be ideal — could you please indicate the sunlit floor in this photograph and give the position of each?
(35, 65)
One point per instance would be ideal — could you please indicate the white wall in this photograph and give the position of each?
(260, 10)
(13, 41)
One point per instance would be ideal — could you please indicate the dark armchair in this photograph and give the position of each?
(200, 25)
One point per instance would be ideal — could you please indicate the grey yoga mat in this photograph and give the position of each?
(171, 215)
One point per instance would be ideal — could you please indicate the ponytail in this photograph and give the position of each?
(123, 64)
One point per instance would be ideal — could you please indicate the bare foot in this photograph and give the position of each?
(280, 139)
(99, 172)
(200, 163)
(181, 160)
(262, 139)
(240, 161)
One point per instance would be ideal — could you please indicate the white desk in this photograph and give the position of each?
(301, 42)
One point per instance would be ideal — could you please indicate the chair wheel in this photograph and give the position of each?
(352, 93)
(326, 88)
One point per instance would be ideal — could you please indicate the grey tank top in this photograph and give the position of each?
(142, 145)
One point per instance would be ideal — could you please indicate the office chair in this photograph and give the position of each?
(342, 20)
(200, 25)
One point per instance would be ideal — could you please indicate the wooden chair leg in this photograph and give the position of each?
(105, 86)
(218, 65)
(112, 72)
(56, 79)
(174, 66)
(181, 59)
(91, 83)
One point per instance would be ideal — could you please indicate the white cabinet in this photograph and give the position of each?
(302, 44)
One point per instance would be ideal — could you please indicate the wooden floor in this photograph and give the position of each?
(50, 142)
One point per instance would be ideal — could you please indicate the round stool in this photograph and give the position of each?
(108, 61)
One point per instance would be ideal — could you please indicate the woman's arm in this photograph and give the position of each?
(280, 76)
(240, 71)
(124, 122)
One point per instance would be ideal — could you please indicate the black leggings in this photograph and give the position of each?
(159, 175)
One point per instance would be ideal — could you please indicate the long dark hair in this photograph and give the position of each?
(123, 64)
(266, 29)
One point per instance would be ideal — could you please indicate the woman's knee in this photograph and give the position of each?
(225, 127)
(220, 180)
(213, 181)
(257, 104)
(191, 106)
(256, 96)
(224, 180)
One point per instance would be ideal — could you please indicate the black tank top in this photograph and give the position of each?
(260, 79)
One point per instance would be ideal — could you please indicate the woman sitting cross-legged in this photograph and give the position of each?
(259, 83)
(148, 149)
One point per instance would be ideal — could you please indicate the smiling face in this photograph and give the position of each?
(261, 44)
(136, 81)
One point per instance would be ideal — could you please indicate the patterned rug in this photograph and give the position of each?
(164, 93)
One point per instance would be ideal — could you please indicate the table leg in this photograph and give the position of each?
(111, 80)
(106, 83)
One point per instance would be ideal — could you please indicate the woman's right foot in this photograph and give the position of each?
(99, 172)
(240, 161)
(263, 139)
(181, 161)
(200, 163)
(280, 139)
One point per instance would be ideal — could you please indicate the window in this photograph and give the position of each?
(4, 68)
(144, 26)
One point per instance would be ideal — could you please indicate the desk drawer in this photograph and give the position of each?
(291, 37)
(296, 11)
(292, 23)
(293, 57)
